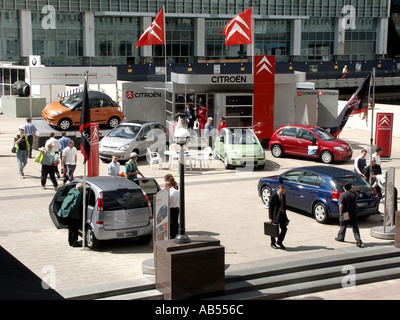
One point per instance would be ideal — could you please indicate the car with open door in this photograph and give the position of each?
(116, 208)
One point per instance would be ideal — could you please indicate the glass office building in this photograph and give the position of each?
(105, 32)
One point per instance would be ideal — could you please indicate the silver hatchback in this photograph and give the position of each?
(133, 136)
(117, 208)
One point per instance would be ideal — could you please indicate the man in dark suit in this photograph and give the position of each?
(277, 214)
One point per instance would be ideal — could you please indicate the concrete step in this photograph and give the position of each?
(311, 275)
(153, 294)
(141, 287)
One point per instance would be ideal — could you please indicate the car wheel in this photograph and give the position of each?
(226, 162)
(326, 157)
(65, 124)
(113, 122)
(320, 213)
(91, 241)
(277, 151)
(145, 239)
(265, 194)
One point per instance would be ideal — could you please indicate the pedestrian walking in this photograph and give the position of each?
(360, 163)
(190, 116)
(202, 116)
(348, 205)
(56, 149)
(277, 214)
(72, 209)
(48, 167)
(68, 161)
(344, 72)
(222, 124)
(64, 140)
(22, 149)
(131, 167)
(173, 209)
(114, 166)
(30, 132)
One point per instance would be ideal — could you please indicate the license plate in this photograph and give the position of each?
(126, 234)
(362, 204)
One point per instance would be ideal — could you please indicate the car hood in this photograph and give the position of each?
(114, 141)
(245, 150)
(54, 107)
(340, 143)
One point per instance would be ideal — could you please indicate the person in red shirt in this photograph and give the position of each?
(222, 124)
(202, 117)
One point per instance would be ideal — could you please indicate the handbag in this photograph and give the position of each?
(14, 149)
(271, 229)
(346, 216)
(39, 157)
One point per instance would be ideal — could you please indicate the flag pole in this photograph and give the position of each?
(84, 182)
(372, 120)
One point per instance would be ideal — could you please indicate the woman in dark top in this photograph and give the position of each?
(22, 149)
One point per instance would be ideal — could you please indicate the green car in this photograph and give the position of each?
(239, 147)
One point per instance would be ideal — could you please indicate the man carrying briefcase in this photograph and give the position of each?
(277, 214)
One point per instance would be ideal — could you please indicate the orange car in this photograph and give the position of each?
(66, 113)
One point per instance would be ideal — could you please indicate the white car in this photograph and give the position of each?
(135, 136)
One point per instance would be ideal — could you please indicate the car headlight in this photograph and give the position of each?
(124, 147)
(261, 151)
(338, 148)
(234, 151)
(55, 113)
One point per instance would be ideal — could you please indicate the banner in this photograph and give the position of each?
(84, 127)
(155, 33)
(238, 30)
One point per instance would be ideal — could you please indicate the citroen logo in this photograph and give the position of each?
(264, 64)
(153, 32)
(237, 21)
(384, 121)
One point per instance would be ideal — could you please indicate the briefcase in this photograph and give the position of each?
(271, 229)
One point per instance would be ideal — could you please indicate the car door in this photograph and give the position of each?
(288, 140)
(142, 139)
(306, 143)
(56, 203)
(290, 180)
(96, 112)
(307, 191)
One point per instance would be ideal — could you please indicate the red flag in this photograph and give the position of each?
(358, 103)
(155, 33)
(84, 127)
(238, 30)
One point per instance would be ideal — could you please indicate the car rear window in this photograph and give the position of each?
(358, 182)
(123, 200)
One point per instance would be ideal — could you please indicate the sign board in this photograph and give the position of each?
(383, 133)
(389, 198)
(161, 215)
(72, 75)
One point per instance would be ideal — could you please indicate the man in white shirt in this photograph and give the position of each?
(378, 183)
(173, 209)
(377, 155)
(68, 161)
(113, 167)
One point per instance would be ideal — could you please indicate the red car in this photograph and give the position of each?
(309, 141)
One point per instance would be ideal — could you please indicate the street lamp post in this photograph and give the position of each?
(181, 137)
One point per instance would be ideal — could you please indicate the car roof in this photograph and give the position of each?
(138, 122)
(93, 94)
(305, 126)
(111, 183)
(334, 172)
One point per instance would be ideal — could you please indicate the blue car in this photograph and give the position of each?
(316, 190)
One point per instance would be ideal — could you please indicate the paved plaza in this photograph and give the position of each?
(221, 203)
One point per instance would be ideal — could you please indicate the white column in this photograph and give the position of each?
(339, 36)
(295, 37)
(89, 48)
(26, 33)
(199, 37)
(147, 51)
(382, 36)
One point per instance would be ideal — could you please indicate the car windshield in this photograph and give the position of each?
(123, 200)
(323, 135)
(71, 101)
(242, 136)
(125, 132)
(358, 182)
